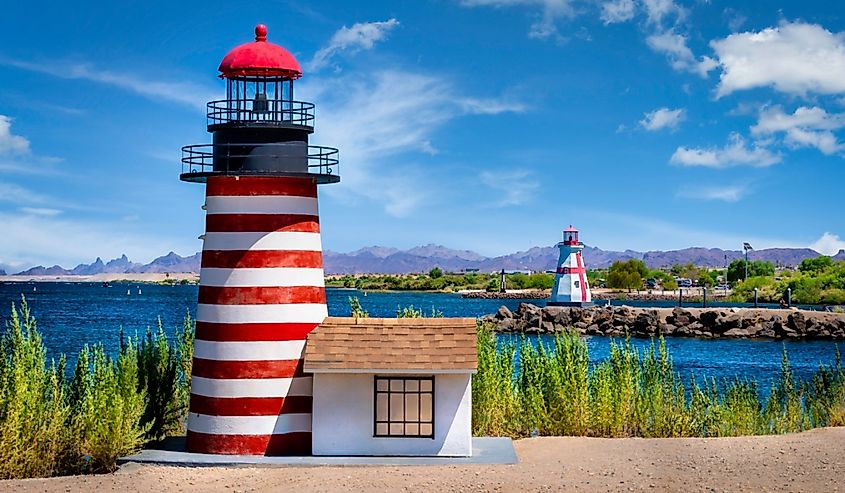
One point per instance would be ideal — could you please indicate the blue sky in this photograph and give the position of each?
(480, 124)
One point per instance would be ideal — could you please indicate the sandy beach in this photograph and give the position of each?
(812, 461)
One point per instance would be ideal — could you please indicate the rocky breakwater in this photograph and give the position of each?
(685, 322)
(522, 294)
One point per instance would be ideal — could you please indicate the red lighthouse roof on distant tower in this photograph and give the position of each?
(260, 58)
(570, 229)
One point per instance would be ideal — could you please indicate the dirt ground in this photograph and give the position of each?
(813, 461)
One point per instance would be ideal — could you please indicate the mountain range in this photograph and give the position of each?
(387, 260)
(172, 262)
(421, 259)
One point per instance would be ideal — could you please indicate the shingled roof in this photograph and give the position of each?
(406, 345)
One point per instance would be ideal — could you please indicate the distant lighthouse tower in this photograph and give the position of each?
(570, 287)
(261, 283)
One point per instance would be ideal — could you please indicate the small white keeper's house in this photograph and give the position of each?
(392, 386)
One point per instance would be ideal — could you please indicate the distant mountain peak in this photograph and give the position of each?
(440, 251)
(375, 251)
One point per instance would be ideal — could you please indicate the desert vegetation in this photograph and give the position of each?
(54, 423)
(531, 388)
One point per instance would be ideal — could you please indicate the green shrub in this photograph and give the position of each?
(355, 308)
(112, 406)
(165, 377)
(34, 413)
(525, 388)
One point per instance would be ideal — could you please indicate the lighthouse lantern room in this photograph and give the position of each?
(261, 280)
(570, 286)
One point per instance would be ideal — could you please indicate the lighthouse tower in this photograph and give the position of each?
(570, 287)
(261, 282)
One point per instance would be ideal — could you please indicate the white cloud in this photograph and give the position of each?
(16, 194)
(616, 11)
(515, 187)
(379, 120)
(735, 153)
(728, 193)
(663, 118)
(550, 12)
(9, 142)
(828, 244)
(176, 92)
(477, 106)
(41, 211)
(806, 127)
(794, 58)
(824, 141)
(361, 36)
(735, 19)
(775, 120)
(674, 46)
(657, 10)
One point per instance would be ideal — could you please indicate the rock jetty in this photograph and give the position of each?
(684, 322)
(526, 294)
(693, 294)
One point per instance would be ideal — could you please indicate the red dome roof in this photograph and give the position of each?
(570, 229)
(260, 58)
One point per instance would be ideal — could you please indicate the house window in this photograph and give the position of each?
(404, 407)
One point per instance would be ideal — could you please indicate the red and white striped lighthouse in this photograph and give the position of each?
(570, 287)
(261, 283)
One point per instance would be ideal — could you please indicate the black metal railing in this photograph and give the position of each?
(279, 159)
(267, 111)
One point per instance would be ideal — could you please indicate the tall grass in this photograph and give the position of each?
(111, 406)
(526, 389)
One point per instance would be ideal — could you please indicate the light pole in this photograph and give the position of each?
(746, 246)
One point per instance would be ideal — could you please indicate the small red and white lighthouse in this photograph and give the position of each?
(570, 287)
(261, 282)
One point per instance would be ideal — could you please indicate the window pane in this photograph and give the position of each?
(425, 407)
(397, 429)
(412, 385)
(426, 430)
(381, 385)
(412, 429)
(381, 428)
(396, 386)
(381, 407)
(425, 385)
(412, 407)
(397, 409)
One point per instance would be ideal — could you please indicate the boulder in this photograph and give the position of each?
(504, 313)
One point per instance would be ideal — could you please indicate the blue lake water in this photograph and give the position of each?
(71, 315)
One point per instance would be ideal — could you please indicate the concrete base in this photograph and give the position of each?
(485, 450)
(579, 304)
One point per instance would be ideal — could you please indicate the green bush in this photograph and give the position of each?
(112, 406)
(355, 308)
(524, 389)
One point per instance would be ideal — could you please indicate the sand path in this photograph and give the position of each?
(813, 461)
